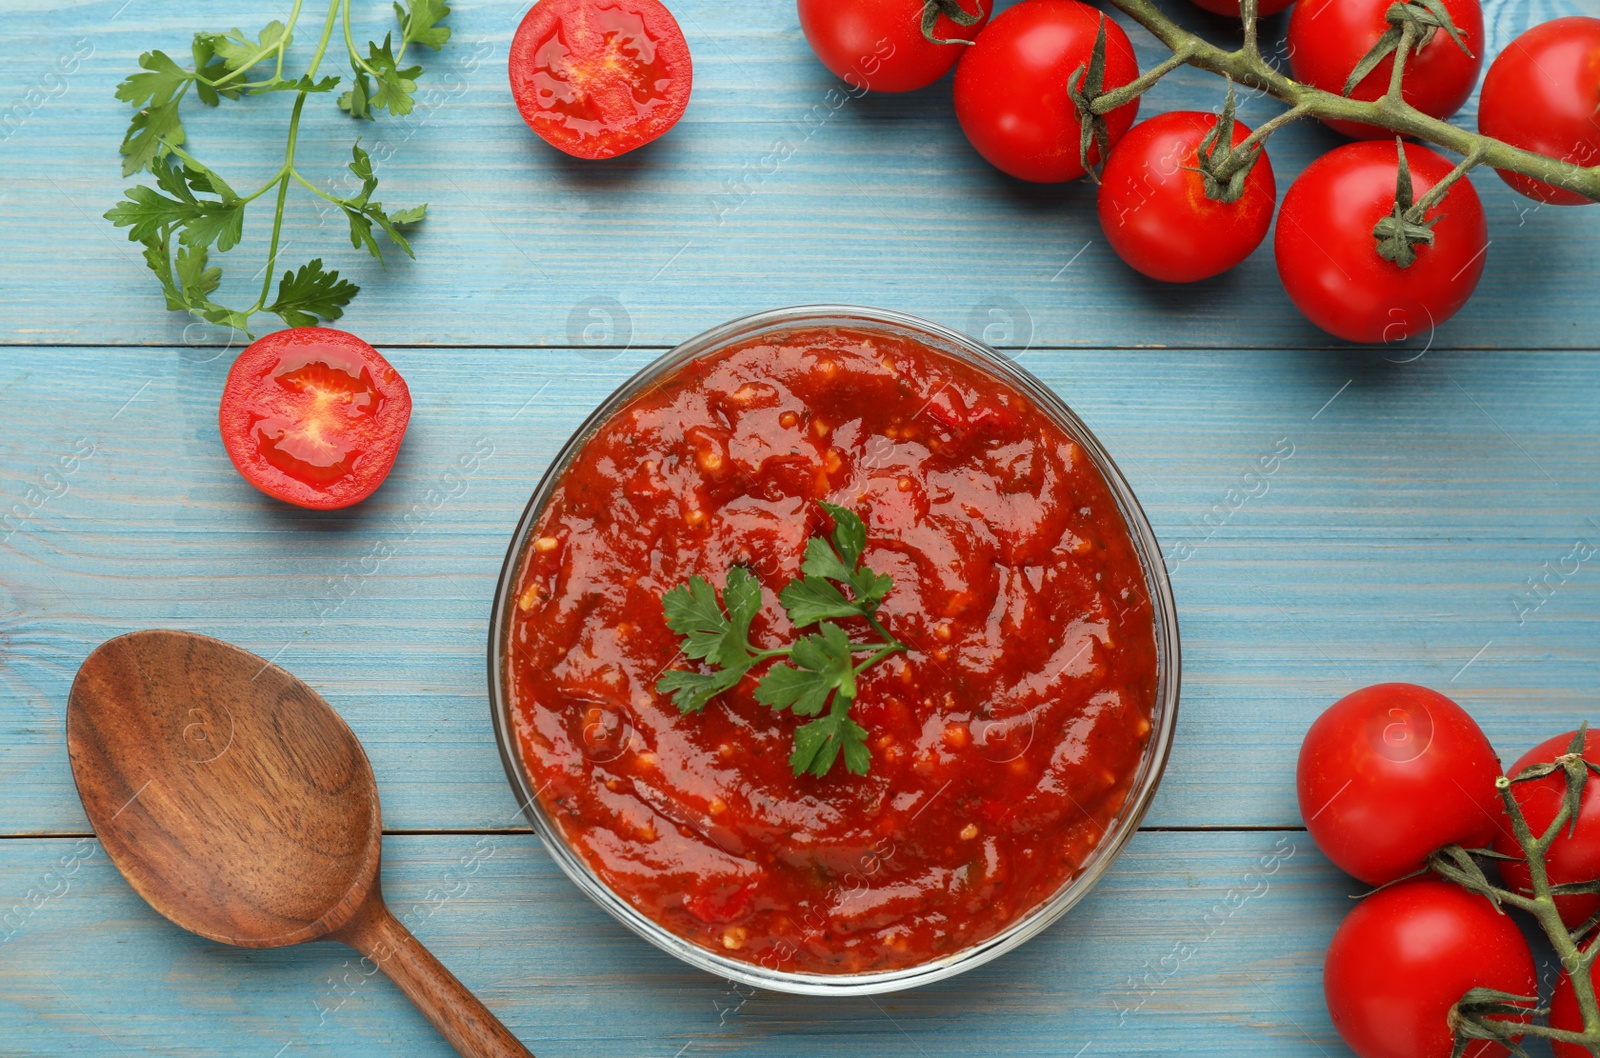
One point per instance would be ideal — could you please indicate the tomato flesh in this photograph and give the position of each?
(1392, 772)
(1542, 94)
(1406, 954)
(599, 78)
(1154, 209)
(314, 416)
(1328, 258)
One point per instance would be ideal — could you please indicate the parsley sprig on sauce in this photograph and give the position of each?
(819, 677)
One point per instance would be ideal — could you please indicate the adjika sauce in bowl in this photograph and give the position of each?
(1011, 747)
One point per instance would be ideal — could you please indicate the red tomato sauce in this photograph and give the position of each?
(1003, 742)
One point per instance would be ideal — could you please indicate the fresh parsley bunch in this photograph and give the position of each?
(191, 208)
(821, 670)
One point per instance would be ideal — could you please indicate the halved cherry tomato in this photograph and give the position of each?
(1574, 856)
(1392, 772)
(1406, 954)
(314, 417)
(1011, 88)
(879, 44)
(598, 78)
(1543, 94)
(1153, 205)
(1328, 38)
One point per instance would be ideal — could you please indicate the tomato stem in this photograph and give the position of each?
(1249, 68)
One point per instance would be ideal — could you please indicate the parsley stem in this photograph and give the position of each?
(877, 626)
(888, 648)
(350, 44)
(314, 189)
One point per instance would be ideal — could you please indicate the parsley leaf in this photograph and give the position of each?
(238, 52)
(154, 96)
(310, 292)
(722, 640)
(822, 664)
(394, 82)
(145, 211)
(420, 24)
(817, 745)
(692, 690)
(363, 214)
(813, 598)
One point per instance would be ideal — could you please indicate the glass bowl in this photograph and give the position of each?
(1162, 721)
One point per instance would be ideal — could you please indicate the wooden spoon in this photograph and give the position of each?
(240, 805)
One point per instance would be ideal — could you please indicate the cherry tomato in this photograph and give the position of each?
(1230, 8)
(1543, 94)
(1328, 38)
(878, 44)
(1328, 259)
(1406, 954)
(1572, 857)
(1565, 1014)
(1154, 209)
(1392, 772)
(1011, 94)
(598, 78)
(314, 417)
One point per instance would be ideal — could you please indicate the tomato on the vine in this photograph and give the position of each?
(1011, 88)
(314, 416)
(1154, 209)
(1328, 38)
(879, 44)
(1328, 257)
(1406, 954)
(1574, 856)
(1231, 7)
(599, 79)
(1542, 94)
(1392, 772)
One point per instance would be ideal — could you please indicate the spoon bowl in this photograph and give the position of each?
(241, 806)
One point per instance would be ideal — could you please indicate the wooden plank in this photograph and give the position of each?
(1396, 542)
(876, 200)
(1241, 920)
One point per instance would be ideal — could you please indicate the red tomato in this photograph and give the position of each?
(1327, 38)
(1406, 954)
(1391, 773)
(598, 78)
(1572, 858)
(1154, 209)
(1011, 94)
(1543, 94)
(1564, 1014)
(1328, 259)
(878, 44)
(1231, 7)
(314, 417)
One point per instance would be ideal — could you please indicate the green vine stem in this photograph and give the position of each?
(1577, 955)
(1246, 66)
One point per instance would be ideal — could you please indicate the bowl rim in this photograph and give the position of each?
(1164, 610)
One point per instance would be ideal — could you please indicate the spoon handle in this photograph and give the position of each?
(460, 1017)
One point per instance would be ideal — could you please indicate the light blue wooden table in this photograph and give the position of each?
(1429, 485)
